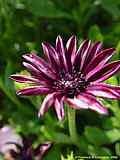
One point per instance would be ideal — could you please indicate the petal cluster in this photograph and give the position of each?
(70, 75)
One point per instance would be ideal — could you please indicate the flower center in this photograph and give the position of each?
(71, 84)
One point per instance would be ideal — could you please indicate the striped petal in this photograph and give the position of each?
(34, 59)
(47, 102)
(78, 58)
(61, 52)
(92, 103)
(33, 90)
(40, 65)
(93, 51)
(59, 108)
(33, 70)
(23, 79)
(104, 91)
(71, 47)
(100, 59)
(76, 103)
(101, 74)
(39, 72)
(51, 55)
(85, 55)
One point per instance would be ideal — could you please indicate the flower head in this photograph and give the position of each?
(70, 75)
(12, 146)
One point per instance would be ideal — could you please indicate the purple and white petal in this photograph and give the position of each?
(71, 47)
(59, 107)
(38, 61)
(80, 51)
(101, 74)
(100, 59)
(33, 90)
(46, 104)
(41, 72)
(24, 78)
(92, 103)
(96, 48)
(61, 52)
(76, 103)
(85, 55)
(104, 91)
(34, 59)
(93, 49)
(33, 70)
(52, 56)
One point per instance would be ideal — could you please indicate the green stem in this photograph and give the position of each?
(72, 125)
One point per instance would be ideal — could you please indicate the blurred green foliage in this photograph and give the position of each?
(24, 24)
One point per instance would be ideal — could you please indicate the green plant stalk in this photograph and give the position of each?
(72, 125)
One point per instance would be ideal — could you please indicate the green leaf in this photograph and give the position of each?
(54, 152)
(112, 7)
(110, 123)
(46, 8)
(113, 135)
(118, 47)
(113, 80)
(98, 137)
(55, 136)
(95, 34)
(96, 151)
(95, 136)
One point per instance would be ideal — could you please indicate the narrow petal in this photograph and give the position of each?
(110, 86)
(48, 101)
(34, 59)
(61, 52)
(72, 47)
(85, 55)
(39, 71)
(104, 91)
(23, 79)
(76, 103)
(100, 59)
(94, 49)
(52, 56)
(33, 70)
(33, 90)
(101, 74)
(59, 108)
(92, 103)
(40, 65)
(78, 58)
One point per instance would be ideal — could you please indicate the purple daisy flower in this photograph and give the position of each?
(12, 146)
(70, 75)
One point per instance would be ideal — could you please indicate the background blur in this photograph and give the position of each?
(24, 24)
